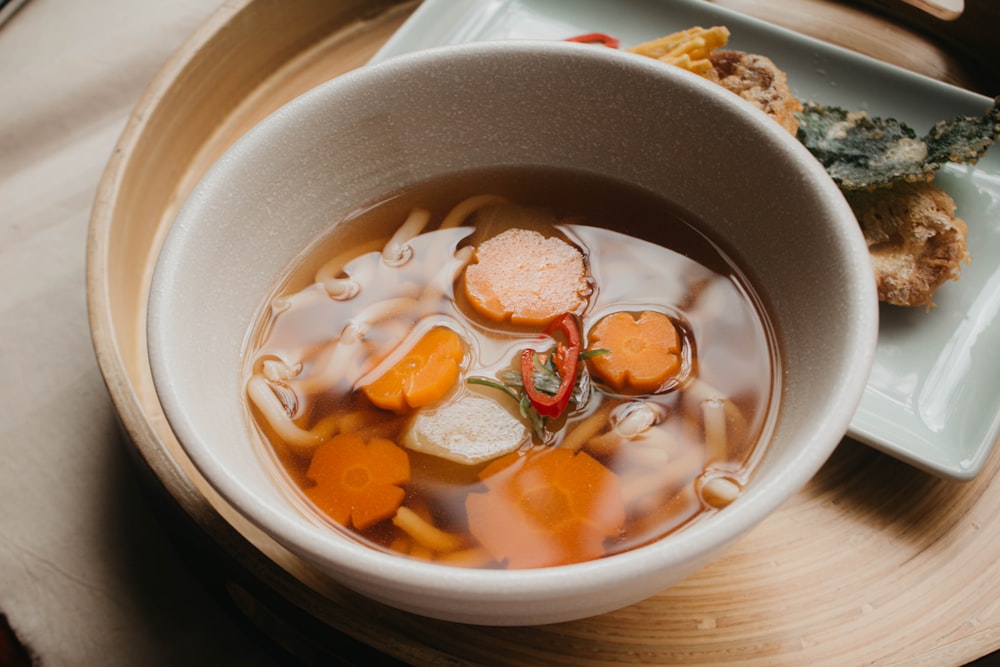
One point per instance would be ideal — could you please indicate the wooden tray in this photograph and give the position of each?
(873, 562)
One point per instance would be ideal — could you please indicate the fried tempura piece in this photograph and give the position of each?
(753, 77)
(688, 49)
(862, 152)
(915, 241)
(758, 80)
(884, 169)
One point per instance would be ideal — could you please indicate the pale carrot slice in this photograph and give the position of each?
(525, 277)
(358, 483)
(642, 352)
(548, 507)
(427, 372)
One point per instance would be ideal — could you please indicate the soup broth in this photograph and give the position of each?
(514, 368)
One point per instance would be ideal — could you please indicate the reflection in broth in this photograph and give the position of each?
(420, 406)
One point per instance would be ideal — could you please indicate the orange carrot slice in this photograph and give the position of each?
(525, 277)
(548, 507)
(643, 353)
(423, 376)
(358, 483)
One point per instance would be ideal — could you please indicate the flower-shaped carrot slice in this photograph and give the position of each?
(423, 376)
(548, 507)
(525, 277)
(358, 483)
(642, 353)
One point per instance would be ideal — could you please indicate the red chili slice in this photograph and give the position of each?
(567, 360)
(597, 38)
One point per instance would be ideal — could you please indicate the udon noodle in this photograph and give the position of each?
(560, 369)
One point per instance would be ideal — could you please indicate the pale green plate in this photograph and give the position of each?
(933, 398)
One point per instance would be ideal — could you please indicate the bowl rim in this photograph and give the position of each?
(352, 558)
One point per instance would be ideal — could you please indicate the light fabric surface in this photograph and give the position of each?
(87, 577)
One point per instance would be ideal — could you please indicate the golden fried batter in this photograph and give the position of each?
(915, 241)
(758, 80)
(751, 76)
(688, 49)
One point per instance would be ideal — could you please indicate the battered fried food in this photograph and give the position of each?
(862, 152)
(886, 171)
(882, 166)
(915, 241)
(753, 77)
(758, 80)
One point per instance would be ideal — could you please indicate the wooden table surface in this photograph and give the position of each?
(88, 574)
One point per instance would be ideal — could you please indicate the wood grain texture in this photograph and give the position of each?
(964, 51)
(948, 10)
(873, 562)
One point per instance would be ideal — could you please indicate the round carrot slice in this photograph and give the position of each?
(427, 372)
(642, 352)
(548, 507)
(525, 277)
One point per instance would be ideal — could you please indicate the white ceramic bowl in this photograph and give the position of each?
(511, 103)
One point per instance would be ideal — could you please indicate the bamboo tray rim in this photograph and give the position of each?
(120, 357)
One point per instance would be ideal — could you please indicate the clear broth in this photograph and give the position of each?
(641, 252)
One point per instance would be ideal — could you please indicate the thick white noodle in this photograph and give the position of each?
(342, 289)
(397, 250)
(716, 441)
(379, 312)
(635, 423)
(346, 356)
(644, 492)
(301, 299)
(639, 419)
(463, 209)
(328, 275)
(661, 439)
(444, 279)
(584, 431)
(719, 492)
(647, 457)
(425, 534)
(700, 391)
(270, 406)
(277, 370)
(341, 365)
(471, 557)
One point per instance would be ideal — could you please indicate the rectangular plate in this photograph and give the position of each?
(933, 398)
